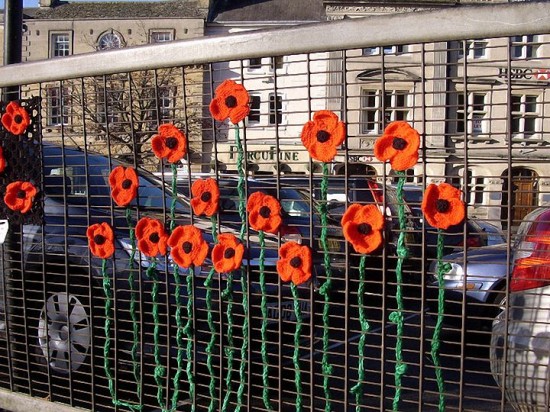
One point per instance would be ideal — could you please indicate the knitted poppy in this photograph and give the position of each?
(2, 160)
(19, 196)
(16, 119)
(230, 100)
(322, 135)
(169, 143)
(399, 144)
(124, 185)
(188, 246)
(227, 254)
(101, 240)
(264, 212)
(363, 226)
(442, 205)
(206, 196)
(294, 263)
(151, 236)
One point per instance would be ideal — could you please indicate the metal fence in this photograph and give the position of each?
(129, 331)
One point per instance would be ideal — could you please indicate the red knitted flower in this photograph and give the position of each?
(2, 161)
(294, 263)
(16, 119)
(322, 135)
(19, 196)
(124, 185)
(399, 144)
(442, 205)
(101, 240)
(231, 100)
(264, 212)
(227, 254)
(151, 236)
(363, 226)
(188, 246)
(206, 196)
(169, 143)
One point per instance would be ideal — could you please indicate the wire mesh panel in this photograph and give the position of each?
(407, 324)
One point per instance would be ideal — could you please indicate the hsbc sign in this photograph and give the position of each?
(525, 74)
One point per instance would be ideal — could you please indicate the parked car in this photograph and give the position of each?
(520, 341)
(474, 283)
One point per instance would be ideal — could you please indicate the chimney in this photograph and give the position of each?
(47, 3)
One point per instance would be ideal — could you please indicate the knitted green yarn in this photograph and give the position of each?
(188, 330)
(212, 342)
(296, 355)
(159, 369)
(325, 288)
(358, 388)
(244, 346)
(229, 351)
(397, 317)
(179, 338)
(439, 323)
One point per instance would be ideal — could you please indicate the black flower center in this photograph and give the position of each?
(399, 143)
(265, 212)
(296, 262)
(154, 237)
(99, 239)
(126, 184)
(442, 205)
(18, 118)
(323, 136)
(187, 247)
(229, 253)
(21, 194)
(206, 196)
(231, 101)
(171, 142)
(364, 228)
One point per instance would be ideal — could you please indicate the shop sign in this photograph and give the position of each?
(359, 159)
(524, 74)
(265, 155)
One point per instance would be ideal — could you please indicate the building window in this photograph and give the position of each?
(255, 63)
(108, 106)
(57, 106)
(378, 109)
(470, 116)
(524, 115)
(166, 97)
(473, 49)
(271, 63)
(60, 44)
(388, 50)
(275, 109)
(524, 47)
(162, 36)
(110, 40)
(255, 103)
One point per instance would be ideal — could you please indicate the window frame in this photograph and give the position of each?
(155, 32)
(471, 48)
(58, 108)
(54, 36)
(389, 111)
(472, 112)
(526, 44)
(521, 134)
(388, 50)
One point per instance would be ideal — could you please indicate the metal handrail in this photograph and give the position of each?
(455, 23)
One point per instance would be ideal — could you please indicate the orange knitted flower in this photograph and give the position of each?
(399, 144)
(363, 226)
(322, 135)
(231, 100)
(169, 143)
(264, 212)
(442, 205)
(16, 119)
(101, 240)
(2, 160)
(227, 255)
(206, 196)
(124, 185)
(188, 246)
(19, 196)
(294, 263)
(151, 236)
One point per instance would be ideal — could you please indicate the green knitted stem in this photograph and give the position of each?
(358, 388)
(159, 369)
(189, 334)
(439, 323)
(263, 306)
(133, 305)
(212, 342)
(244, 346)
(107, 346)
(325, 288)
(296, 356)
(229, 350)
(179, 338)
(397, 317)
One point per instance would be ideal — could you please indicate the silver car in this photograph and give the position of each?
(520, 341)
